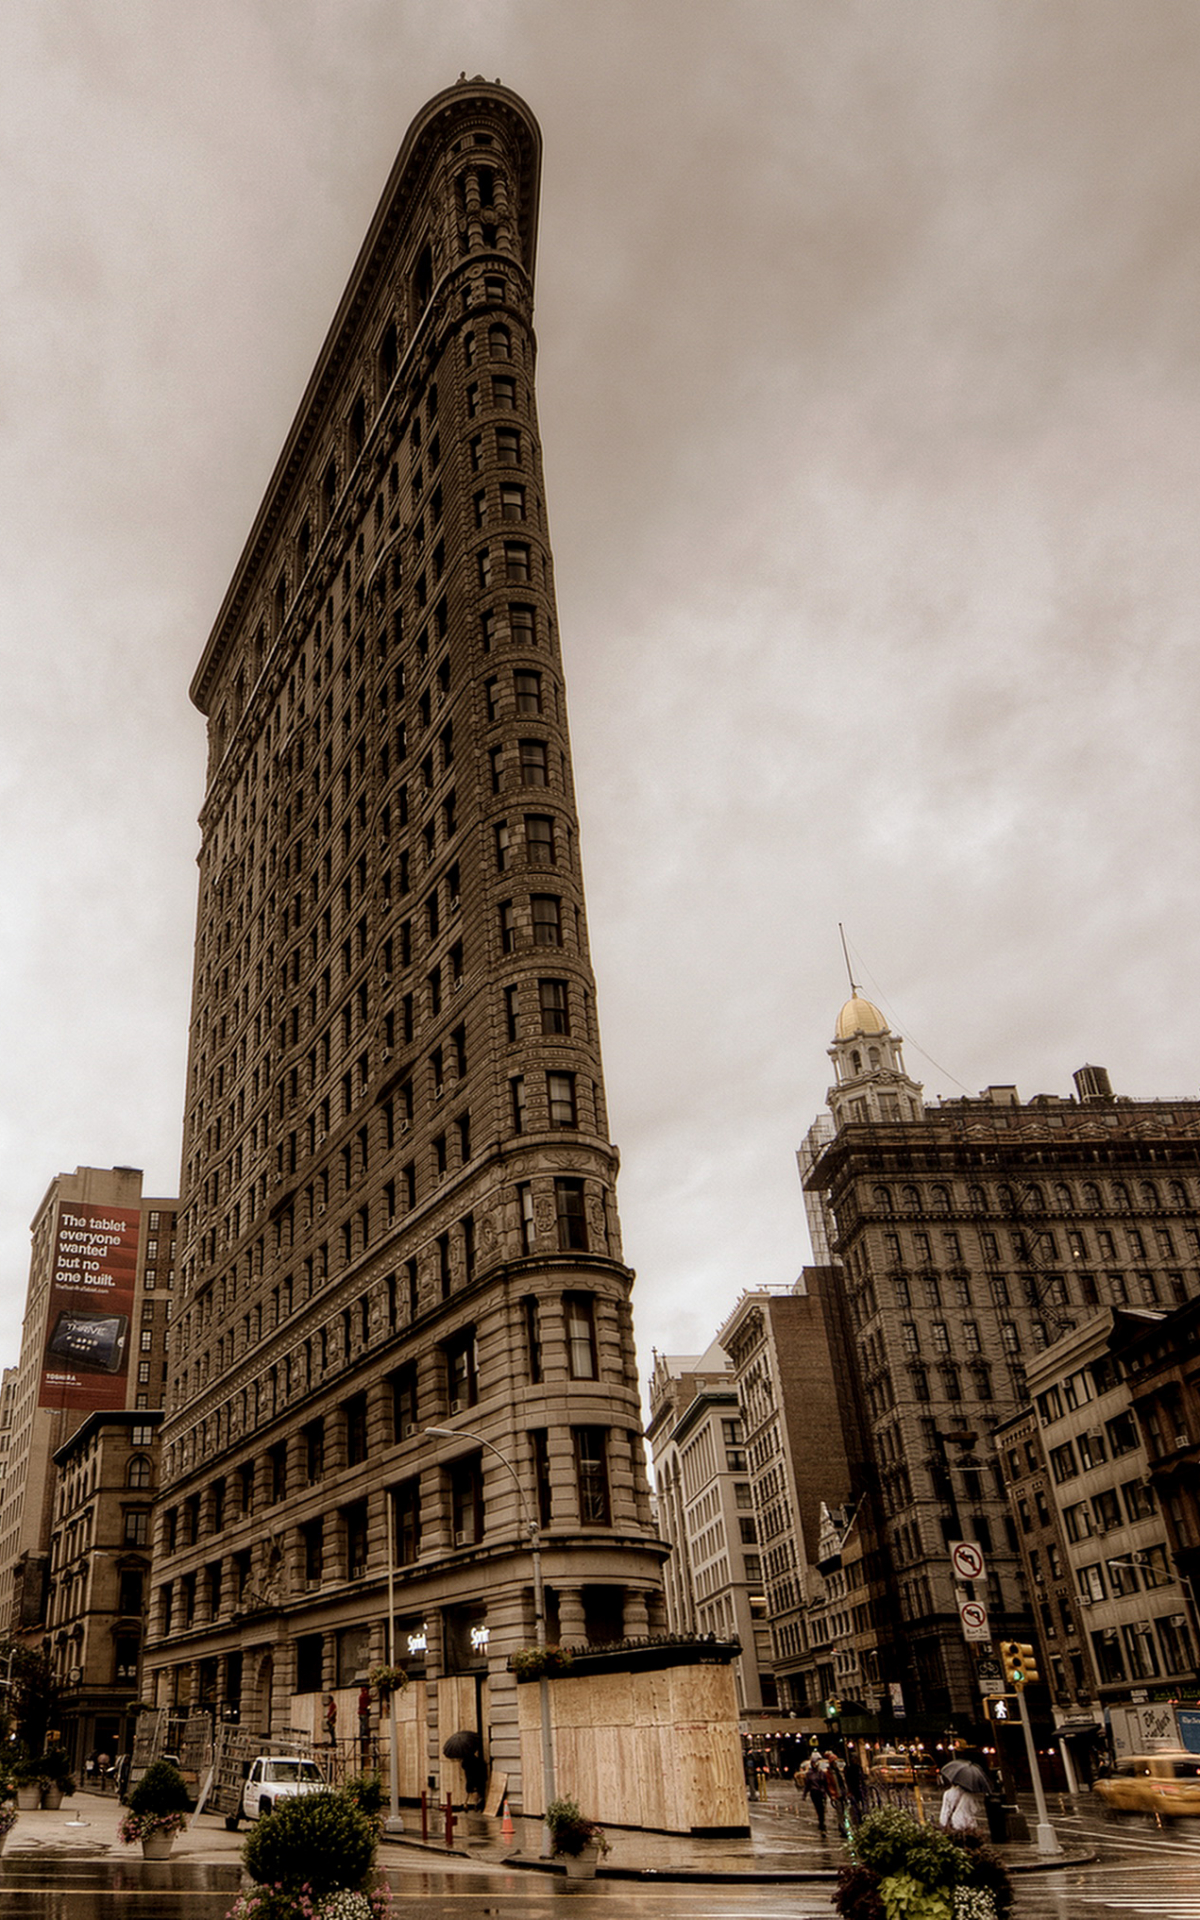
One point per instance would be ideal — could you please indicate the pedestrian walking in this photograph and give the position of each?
(814, 1785)
(331, 1719)
(856, 1786)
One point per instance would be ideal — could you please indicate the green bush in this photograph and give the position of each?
(891, 1842)
(161, 1789)
(317, 1839)
(366, 1792)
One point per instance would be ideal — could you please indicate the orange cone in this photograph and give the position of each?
(506, 1825)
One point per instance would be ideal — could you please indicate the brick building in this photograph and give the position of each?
(119, 1346)
(713, 1578)
(399, 1186)
(969, 1236)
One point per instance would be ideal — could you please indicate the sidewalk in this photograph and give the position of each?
(783, 1845)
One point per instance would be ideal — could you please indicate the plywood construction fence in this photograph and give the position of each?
(656, 1749)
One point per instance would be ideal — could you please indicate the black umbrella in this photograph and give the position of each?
(965, 1775)
(463, 1745)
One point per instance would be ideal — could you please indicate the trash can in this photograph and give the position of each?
(997, 1818)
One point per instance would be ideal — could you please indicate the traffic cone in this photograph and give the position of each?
(508, 1831)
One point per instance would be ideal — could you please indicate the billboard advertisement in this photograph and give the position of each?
(92, 1280)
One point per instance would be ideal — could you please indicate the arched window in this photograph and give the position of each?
(140, 1473)
(1150, 1195)
(882, 1196)
(939, 1199)
(1091, 1196)
(911, 1199)
(1062, 1198)
(1178, 1194)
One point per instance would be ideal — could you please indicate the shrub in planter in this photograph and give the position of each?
(905, 1871)
(530, 1663)
(161, 1789)
(56, 1770)
(570, 1830)
(318, 1840)
(366, 1792)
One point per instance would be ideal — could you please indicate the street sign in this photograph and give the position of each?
(896, 1696)
(990, 1675)
(966, 1560)
(974, 1617)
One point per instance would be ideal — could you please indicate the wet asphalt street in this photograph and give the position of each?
(68, 1866)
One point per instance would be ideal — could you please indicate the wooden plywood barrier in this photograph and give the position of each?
(657, 1749)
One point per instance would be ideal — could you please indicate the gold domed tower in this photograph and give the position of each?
(871, 1084)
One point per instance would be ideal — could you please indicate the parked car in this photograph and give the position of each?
(279, 1776)
(1163, 1784)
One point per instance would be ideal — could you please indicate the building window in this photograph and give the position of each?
(313, 1535)
(137, 1527)
(404, 1403)
(355, 1414)
(504, 391)
(560, 1098)
(579, 1315)
(406, 1522)
(140, 1473)
(540, 1447)
(516, 562)
(461, 1381)
(528, 1224)
(572, 1219)
(508, 927)
(466, 1501)
(539, 840)
(531, 1313)
(355, 1522)
(512, 507)
(547, 919)
(533, 764)
(591, 1476)
(516, 1095)
(314, 1451)
(527, 686)
(552, 1001)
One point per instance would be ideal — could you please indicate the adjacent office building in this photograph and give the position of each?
(94, 1340)
(399, 1188)
(970, 1235)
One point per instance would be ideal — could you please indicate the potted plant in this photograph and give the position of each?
(903, 1868)
(577, 1841)
(158, 1809)
(387, 1680)
(8, 1820)
(318, 1843)
(27, 1777)
(58, 1782)
(530, 1663)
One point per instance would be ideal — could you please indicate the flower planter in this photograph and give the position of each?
(581, 1865)
(29, 1799)
(157, 1846)
(52, 1798)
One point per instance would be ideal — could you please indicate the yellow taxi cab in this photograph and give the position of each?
(901, 1769)
(1163, 1784)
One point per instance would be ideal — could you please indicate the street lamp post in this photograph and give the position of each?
(394, 1823)
(539, 1603)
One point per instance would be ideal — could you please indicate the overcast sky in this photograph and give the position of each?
(870, 397)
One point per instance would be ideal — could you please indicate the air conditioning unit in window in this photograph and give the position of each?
(458, 984)
(404, 1126)
(387, 1054)
(1183, 1439)
(411, 1429)
(463, 1540)
(75, 1676)
(456, 1406)
(1084, 1601)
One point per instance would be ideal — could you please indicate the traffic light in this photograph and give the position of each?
(1020, 1665)
(832, 1709)
(999, 1709)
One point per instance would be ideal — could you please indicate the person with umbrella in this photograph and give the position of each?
(966, 1785)
(466, 1747)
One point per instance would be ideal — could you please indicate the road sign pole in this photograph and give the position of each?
(1047, 1840)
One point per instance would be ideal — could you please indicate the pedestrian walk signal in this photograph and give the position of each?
(1000, 1707)
(1020, 1666)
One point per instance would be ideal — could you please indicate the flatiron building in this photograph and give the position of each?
(398, 1185)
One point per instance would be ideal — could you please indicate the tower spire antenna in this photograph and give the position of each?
(854, 990)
